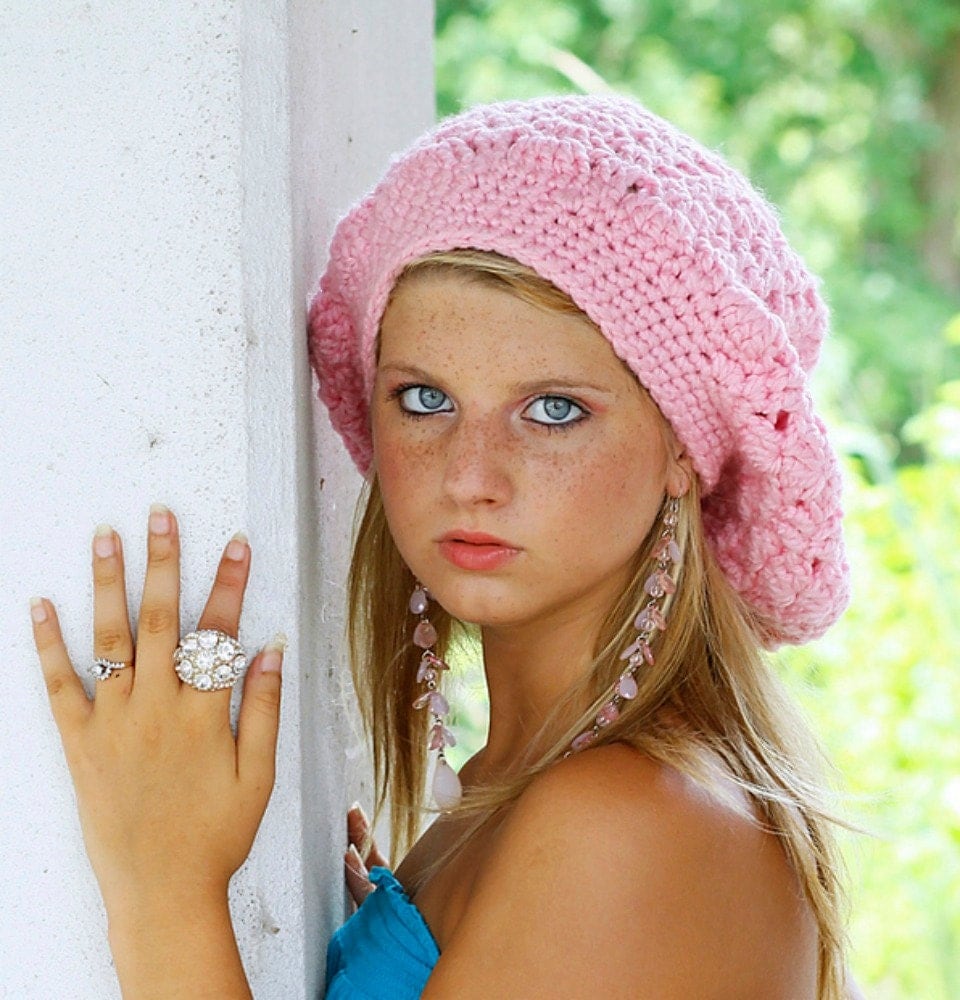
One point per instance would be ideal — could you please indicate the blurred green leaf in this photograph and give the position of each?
(842, 112)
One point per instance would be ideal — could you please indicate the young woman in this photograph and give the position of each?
(569, 350)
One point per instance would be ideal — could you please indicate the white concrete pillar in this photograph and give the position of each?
(169, 177)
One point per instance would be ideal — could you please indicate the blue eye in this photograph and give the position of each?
(420, 399)
(555, 411)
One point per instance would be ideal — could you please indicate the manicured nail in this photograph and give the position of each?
(103, 543)
(272, 658)
(159, 519)
(357, 810)
(237, 547)
(358, 866)
(38, 610)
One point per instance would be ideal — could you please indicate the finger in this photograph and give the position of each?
(357, 877)
(375, 858)
(259, 719)
(158, 630)
(112, 638)
(357, 824)
(358, 830)
(222, 613)
(223, 607)
(68, 700)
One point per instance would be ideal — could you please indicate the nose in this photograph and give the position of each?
(477, 463)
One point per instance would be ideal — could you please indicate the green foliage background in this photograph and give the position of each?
(847, 114)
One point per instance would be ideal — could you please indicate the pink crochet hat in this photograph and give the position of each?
(682, 266)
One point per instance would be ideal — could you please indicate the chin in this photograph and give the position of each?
(483, 602)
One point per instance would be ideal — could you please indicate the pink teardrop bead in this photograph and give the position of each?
(627, 687)
(654, 586)
(447, 790)
(418, 602)
(669, 587)
(440, 737)
(647, 654)
(424, 635)
(438, 704)
(426, 673)
(656, 616)
(609, 713)
(668, 548)
(423, 700)
(583, 740)
(630, 650)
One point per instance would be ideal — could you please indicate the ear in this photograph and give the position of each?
(679, 472)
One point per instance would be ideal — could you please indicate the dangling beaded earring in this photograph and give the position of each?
(446, 783)
(659, 587)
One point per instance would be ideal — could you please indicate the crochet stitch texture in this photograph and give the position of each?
(683, 267)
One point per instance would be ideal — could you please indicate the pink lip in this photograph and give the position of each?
(475, 550)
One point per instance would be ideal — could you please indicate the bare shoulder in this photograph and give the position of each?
(609, 854)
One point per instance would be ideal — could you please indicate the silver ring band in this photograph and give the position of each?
(102, 668)
(209, 659)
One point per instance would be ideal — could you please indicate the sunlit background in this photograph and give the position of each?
(847, 114)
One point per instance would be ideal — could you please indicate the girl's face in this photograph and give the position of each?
(521, 464)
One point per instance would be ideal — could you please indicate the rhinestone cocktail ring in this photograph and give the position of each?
(209, 659)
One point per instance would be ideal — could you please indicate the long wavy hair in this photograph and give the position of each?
(710, 699)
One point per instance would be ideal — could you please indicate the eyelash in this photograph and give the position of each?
(397, 392)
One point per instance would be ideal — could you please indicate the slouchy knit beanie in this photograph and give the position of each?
(681, 264)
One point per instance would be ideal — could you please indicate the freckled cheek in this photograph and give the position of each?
(396, 472)
(609, 502)
(400, 470)
(560, 501)
(403, 451)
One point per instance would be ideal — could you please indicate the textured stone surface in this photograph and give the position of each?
(170, 175)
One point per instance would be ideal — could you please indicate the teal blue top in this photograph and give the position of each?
(385, 951)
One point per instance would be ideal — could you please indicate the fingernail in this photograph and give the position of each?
(237, 547)
(38, 610)
(358, 809)
(359, 867)
(159, 519)
(103, 543)
(272, 658)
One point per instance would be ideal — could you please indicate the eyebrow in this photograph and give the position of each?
(522, 388)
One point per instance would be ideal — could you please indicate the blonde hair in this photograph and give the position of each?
(711, 698)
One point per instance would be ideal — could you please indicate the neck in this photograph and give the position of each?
(528, 670)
